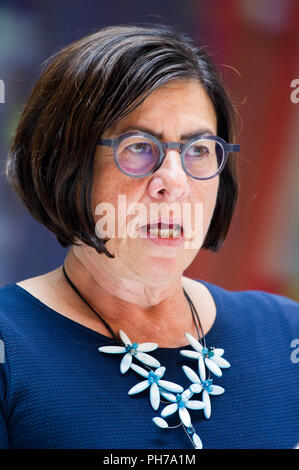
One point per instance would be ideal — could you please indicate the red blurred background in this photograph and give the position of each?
(260, 40)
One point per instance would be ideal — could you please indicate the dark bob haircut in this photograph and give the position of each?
(83, 90)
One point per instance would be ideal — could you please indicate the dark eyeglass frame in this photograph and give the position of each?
(114, 144)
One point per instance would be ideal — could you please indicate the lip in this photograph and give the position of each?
(162, 241)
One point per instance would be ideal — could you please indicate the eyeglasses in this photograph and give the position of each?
(139, 154)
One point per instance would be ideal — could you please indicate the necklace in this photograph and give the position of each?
(209, 360)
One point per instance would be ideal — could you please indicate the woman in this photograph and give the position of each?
(137, 115)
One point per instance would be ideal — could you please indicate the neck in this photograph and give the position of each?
(146, 312)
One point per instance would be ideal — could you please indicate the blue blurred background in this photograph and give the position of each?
(255, 44)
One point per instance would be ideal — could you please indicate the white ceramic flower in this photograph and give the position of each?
(132, 350)
(190, 430)
(153, 380)
(181, 403)
(211, 357)
(204, 386)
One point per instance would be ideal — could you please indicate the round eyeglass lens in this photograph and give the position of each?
(137, 155)
(204, 158)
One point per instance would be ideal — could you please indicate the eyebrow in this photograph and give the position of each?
(159, 136)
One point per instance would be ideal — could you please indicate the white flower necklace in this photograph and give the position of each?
(180, 400)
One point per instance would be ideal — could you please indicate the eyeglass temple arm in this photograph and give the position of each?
(107, 142)
(232, 147)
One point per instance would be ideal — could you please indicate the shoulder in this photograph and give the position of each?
(8, 299)
(19, 309)
(251, 300)
(252, 296)
(255, 306)
(12, 307)
(27, 296)
(7, 291)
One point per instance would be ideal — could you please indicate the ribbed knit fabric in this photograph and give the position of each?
(58, 391)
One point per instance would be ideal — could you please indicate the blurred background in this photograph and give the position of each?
(255, 44)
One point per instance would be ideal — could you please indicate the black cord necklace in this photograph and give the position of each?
(194, 313)
(207, 358)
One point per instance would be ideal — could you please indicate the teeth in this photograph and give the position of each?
(154, 231)
(165, 232)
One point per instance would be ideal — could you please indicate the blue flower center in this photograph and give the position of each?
(152, 377)
(208, 352)
(207, 385)
(132, 348)
(180, 401)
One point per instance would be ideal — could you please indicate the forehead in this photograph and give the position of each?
(178, 107)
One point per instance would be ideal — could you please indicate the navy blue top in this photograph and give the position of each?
(58, 391)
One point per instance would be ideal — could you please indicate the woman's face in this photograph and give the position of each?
(178, 109)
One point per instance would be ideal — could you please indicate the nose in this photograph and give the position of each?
(169, 182)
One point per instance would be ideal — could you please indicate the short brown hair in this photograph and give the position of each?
(87, 87)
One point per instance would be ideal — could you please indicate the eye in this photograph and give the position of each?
(140, 147)
(198, 151)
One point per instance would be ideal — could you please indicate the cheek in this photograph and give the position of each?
(103, 186)
(205, 192)
(110, 186)
(213, 189)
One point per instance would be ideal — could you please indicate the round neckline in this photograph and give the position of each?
(211, 288)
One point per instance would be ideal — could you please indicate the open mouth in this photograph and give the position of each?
(161, 230)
